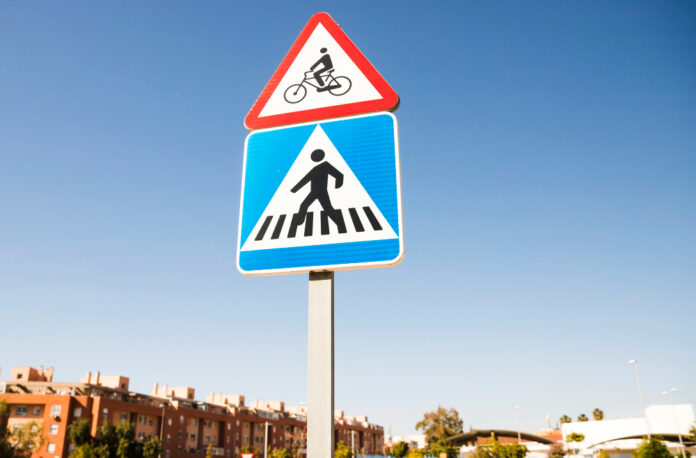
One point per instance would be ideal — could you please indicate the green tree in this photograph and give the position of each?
(249, 449)
(443, 447)
(78, 432)
(440, 424)
(111, 442)
(152, 448)
(400, 449)
(565, 419)
(652, 448)
(575, 437)
(582, 417)
(495, 449)
(416, 453)
(280, 453)
(597, 414)
(5, 446)
(692, 434)
(25, 438)
(19, 442)
(343, 451)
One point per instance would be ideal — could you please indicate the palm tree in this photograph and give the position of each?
(565, 419)
(597, 414)
(582, 417)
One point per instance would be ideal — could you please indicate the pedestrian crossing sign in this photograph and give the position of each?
(321, 196)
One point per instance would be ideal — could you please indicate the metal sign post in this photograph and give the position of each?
(320, 380)
(321, 189)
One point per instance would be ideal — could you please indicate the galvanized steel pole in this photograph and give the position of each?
(320, 363)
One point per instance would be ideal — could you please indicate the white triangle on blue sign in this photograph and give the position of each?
(355, 218)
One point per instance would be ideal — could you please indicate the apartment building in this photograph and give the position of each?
(186, 426)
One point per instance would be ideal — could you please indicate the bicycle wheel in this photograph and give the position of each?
(344, 85)
(295, 93)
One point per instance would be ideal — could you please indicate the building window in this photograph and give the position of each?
(105, 413)
(180, 435)
(228, 440)
(192, 437)
(21, 410)
(37, 411)
(181, 419)
(77, 412)
(141, 420)
(229, 426)
(167, 454)
(169, 438)
(51, 447)
(237, 422)
(53, 430)
(193, 422)
(123, 417)
(178, 450)
(55, 411)
(141, 436)
(169, 422)
(207, 423)
(149, 422)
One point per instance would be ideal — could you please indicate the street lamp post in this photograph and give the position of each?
(517, 421)
(265, 440)
(634, 363)
(676, 423)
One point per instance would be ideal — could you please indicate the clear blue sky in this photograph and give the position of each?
(549, 173)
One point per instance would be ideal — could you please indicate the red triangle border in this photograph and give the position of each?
(389, 100)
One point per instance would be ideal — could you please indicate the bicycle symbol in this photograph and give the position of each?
(335, 85)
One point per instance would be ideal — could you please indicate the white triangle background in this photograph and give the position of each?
(361, 90)
(350, 194)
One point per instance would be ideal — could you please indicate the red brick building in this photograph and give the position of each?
(186, 427)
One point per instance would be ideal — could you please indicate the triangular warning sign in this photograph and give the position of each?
(324, 75)
(320, 201)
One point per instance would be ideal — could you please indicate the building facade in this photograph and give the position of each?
(186, 427)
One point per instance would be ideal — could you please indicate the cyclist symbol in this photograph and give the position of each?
(319, 76)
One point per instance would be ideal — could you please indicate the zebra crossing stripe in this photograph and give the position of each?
(373, 219)
(308, 223)
(336, 217)
(278, 228)
(356, 220)
(264, 228)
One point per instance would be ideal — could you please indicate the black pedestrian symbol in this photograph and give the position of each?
(320, 76)
(362, 217)
(318, 179)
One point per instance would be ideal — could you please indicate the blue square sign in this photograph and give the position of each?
(321, 196)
